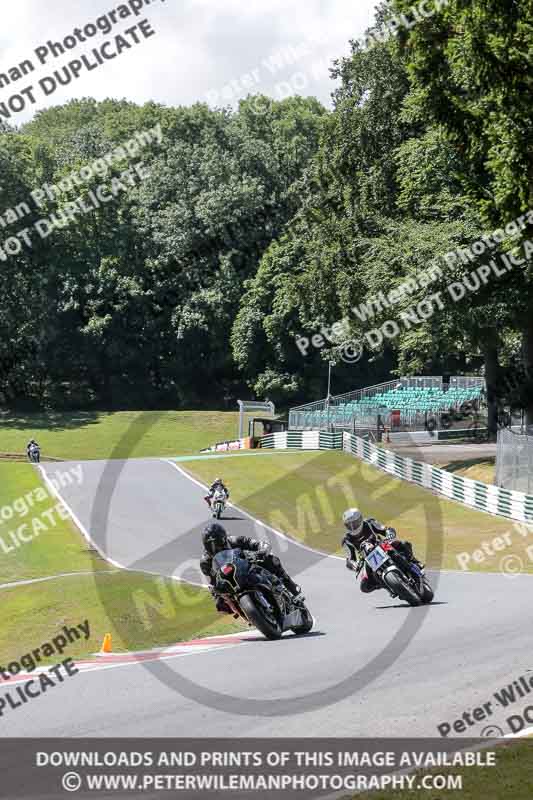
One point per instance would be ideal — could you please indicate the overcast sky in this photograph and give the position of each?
(200, 48)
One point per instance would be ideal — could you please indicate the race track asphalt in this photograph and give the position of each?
(445, 453)
(371, 666)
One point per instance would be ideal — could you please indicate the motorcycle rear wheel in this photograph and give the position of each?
(254, 614)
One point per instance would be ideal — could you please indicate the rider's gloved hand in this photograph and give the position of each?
(264, 548)
(390, 534)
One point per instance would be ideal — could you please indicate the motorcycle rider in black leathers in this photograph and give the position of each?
(359, 530)
(217, 484)
(215, 539)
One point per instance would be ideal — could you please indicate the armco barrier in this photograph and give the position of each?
(302, 440)
(481, 496)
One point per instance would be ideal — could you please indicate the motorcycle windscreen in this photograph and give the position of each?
(226, 557)
(234, 557)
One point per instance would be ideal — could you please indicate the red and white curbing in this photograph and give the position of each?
(110, 660)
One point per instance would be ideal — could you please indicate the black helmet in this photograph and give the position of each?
(214, 538)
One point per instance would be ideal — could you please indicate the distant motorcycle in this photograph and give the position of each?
(395, 574)
(257, 596)
(218, 503)
(34, 454)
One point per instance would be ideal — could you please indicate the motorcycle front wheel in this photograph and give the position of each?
(397, 584)
(307, 624)
(267, 625)
(428, 595)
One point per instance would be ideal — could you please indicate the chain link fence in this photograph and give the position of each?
(514, 460)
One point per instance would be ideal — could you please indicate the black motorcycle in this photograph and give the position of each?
(257, 596)
(395, 573)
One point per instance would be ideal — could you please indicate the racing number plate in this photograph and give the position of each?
(376, 558)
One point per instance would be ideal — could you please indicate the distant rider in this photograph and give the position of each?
(29, 447)
(359, 530)
(215, 486)
(215, 539)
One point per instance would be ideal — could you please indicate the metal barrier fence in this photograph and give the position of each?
(514, 460)
(421, 382)
(333, 418)
(466, 382)
(425, 381)
(339, 411)
(481, 496)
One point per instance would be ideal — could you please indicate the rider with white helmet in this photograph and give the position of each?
(358, 530)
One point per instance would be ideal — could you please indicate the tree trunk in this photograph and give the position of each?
(106, 389)
(492, 375)
(527, 361)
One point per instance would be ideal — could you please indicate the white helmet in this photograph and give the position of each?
(353, 520)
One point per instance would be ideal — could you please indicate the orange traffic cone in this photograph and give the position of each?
(106, 644)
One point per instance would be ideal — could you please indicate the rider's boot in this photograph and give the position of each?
(409, 553)
(292, 587)
(414, 560)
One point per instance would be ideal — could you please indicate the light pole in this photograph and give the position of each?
(330, 365)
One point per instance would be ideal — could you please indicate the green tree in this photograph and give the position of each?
(470, 68)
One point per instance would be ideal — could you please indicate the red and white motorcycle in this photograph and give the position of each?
(395, 574)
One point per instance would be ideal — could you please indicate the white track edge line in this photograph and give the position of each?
(254, 519)
(31, 581)
(85, 533)
(520, 734)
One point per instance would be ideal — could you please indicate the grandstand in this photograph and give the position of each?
(408, 403)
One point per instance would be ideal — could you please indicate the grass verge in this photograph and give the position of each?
(477, 469)
(139, 611)
(512, 777)
(53, 547)
(304, 495)
(90, 435)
